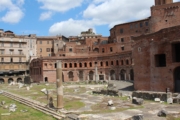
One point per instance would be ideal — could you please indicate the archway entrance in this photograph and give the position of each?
(10, 80)
(131, 74)
(81, 75)
(71, 76)
(19, 80)
(46, 79)
(177, 79)
(113, 75)
(123, 74)
(1, 81)
(91, 75)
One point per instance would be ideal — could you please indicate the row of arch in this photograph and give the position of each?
(101, 64)
(19, 80)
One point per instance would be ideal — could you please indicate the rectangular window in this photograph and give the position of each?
(160, 60)
(122, 48)
(102, 50)
(20, 52)
(141, 24)
(2, 52)
(52, 50)
(147, 23)
(2, 44)
(48, 42)
(11, 59)
(40, 49)
(70, 49)
(176, 52)
(121, 30)
(11, 52)
(122, 39)
(40, 42)
(2, 59)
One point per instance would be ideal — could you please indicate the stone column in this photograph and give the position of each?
(96, 73)
(59, 85)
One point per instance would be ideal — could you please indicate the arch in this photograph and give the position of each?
(70, 65)
(96, 50)
(10, 80)
(70, 75)
(177, 79)
(65, 65)
(90, 64)
(91, 75)
(123, 74)
(127, 62)
(1, 81)
(85, 64)
(46, 79)
(101, 64)
(19, 80)
(117, 62)
(80, 64)
(75, 64)
(113, 75)
(131, 74)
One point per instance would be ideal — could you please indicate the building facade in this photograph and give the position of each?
(16, 52)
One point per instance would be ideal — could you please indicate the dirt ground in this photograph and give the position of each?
(78, 98)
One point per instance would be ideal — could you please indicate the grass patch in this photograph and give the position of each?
(31, 113)
(73, 104)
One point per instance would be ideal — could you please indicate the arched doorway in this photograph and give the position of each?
(91, 75)
(123, 74)
(1, 80)
(71, 76)
(113, 75)
(19, 80)
(177, 79)
(131, 74)
(46, 79)
(10, 80)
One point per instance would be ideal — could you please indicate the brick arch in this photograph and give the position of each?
(112, 74)
(19, 80)
(2, 80)
(10, 80)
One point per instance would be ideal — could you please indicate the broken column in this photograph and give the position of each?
(59, 85)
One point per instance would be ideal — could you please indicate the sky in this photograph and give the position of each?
(69, 17)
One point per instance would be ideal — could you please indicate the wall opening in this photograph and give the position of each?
(1, 81)
(177, 79)
(85, 64)
(19, 80)
(46, 79)
(112, 75)
(123, 74)
(131, 74)
(101, 77)
(10, 80)
(81, 75)
(91, 75)
(176, 52)
(71, 76)
(75, 64)
(80, 64)
(70, 65)
(106, 63)
(160, 60)
(117, 62)
(65, 65)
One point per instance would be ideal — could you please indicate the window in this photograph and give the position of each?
(147, 23)
(65, 65)
(2, 52)
(127, 62)
(47, 49)
(102, 50)
(112, 63)
(141, 24)
(48, 42)
(40, 49)
(52, 50)
(90, 64)
(122, 48)
(75, 64)
(85, 64)
(117, 62)
(111, 49)
(20, 52)
(20, 59)
(11, 59)
(122, 39)
(2, 44)
(176, 52)
(160, 60)
(122, 62)
(11, 44)
(80, 64)
(101, 63)
(40, 42)
(70, 65)
(106, 63)
(55, 65)
(2, 59)
(121, 30)
(70, 49)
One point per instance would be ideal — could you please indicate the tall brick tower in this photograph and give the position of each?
(161, 2)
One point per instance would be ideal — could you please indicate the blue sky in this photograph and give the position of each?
(69, 17)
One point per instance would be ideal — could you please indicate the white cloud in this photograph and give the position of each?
(118, 11)
(13, 12)
(45, 16)
(59, 5)
(70, 27)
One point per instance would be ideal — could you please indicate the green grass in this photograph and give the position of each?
(73, 104)
(31, 113)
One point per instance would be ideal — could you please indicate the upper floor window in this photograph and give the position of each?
(11, 59)
(40, 49)
(70, 49)
(111, 49)
(122, 48)
(20, 59)
(141, 24)
(2, 52)
(2, 44)
(40, 42)
(2, 59)
(102, 50)
(121, 30)
(48, 49)
(11, 52)
(147, 23)
(122, 39)
(160, 60)
(20, 45)
(20, 52)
